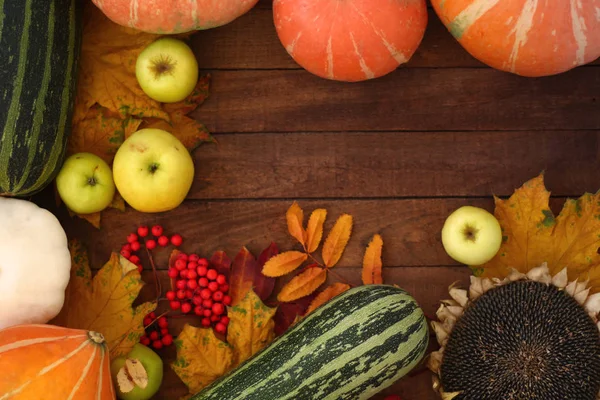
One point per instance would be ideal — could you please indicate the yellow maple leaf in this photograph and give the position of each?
(336, 241)
(201, 357)
(372, 264)
(104, 303)
(532, 235)
(251, 327)
(314, 229)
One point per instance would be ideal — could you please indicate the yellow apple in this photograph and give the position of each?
(471, 235)
(153, 171)
(85, 183)
(167, 70)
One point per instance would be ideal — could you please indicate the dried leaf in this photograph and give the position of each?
(250, 328)
(314, 230)
(201, 357)
(104, 303)
(94, 218)
(264, 285)
(284, 263)
(221, 263)
(336, 241)
(295, 221)
(326, 295)
(532, 235)
(303, 284)
(243, 270)
(371, 269)
(288, 313)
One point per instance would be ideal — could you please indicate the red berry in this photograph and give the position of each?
(214, 318)
(181, 284)
(221, 280)
(135, 246)
(213, 286)
(201, 271)
(162, 322)
(203, 282)
(217, 296)
(167, 340)
(182, 256)
(142, 231)
(176, 240)
(140, 268)
(157, 344)
(157, 230)
(194, 257)
(145, 340)
(186, 308)
(206, 322)
(184, 274)
(150, 244)
(164, 331)
(192, 284)
(180, 264)
(227, 300)
(126, 246)
(152, 315)
(181, 294)
(207, 303)
(147, 321)
(224, 288)
(189, 294)
(198, 311)
(205, 294)
(154, 335)
(218, 308)
(225, 320)
(207, 312)
(197, 300)
(219, 327)
(125, 253)
(203, 262)
(173, 273)
(132, 237)
(134, 259)
(212, 274)
(163, 241)
(170, 295)
(192, 265)
(175, 305)
(191, 274)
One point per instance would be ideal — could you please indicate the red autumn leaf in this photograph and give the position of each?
(221, 263)
(243, 270)
(263, 285)
(288, 312)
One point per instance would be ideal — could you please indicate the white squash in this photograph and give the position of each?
(35, 263)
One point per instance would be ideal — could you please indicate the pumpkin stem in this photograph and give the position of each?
(96, 337)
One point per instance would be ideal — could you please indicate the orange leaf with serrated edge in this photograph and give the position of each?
(295, 221)
(314, 229)
(104, 303)
(336, 241)
(371, 269)
(326, 295)
(303, 284)
(284, 263)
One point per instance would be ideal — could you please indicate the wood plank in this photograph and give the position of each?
(251, 42)
(427, 285)
(408, 100)
(399, 164)
(410, 227)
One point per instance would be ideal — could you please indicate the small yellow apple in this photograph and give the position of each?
(153, 171)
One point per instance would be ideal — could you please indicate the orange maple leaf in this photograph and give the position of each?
(371, 270)
(303, 284)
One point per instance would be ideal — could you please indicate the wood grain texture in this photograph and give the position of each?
(395, 164)
(406, 100)
(428, 286)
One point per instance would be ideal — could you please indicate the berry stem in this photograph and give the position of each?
(156, 280)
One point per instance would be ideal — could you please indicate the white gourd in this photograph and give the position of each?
(35, 263)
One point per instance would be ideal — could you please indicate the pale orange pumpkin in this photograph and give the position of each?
(350, 40)
(173, 16)
(526, 37)
(53, 363)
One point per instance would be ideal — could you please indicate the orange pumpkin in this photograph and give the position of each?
(53, 363)
(350, 40)
(526, 37)
(173, 16)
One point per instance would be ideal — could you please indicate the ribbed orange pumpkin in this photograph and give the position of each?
(173, 16)
(53, 363)
(526, 37)
(350, 40)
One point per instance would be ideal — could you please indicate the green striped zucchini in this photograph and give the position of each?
(352, 347)
(39, 48)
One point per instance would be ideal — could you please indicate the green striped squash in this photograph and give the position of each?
(352, 347)
(39, 52)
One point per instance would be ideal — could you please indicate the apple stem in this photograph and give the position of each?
(153, 168)
(92, 181)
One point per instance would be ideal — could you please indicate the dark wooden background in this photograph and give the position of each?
(399, 153)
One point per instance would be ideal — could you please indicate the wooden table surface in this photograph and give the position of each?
(399, 153)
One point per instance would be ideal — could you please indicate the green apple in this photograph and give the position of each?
(85, 183)
(137, 376)
(471, 235)
(153, 171)
(167, 70)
